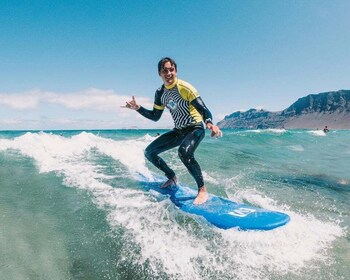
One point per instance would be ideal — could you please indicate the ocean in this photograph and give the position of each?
(71, 207)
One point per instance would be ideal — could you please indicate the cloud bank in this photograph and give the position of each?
(95, 99)
(87, 109)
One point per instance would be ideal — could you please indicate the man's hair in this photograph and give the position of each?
(165, 60)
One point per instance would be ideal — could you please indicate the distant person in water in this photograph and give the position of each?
(189, 114)
(325, 130)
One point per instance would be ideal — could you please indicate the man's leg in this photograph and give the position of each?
(186, 154)
(164, 142)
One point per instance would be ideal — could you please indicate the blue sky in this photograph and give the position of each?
(71, 64)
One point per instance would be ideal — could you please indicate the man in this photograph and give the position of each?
(188, 112)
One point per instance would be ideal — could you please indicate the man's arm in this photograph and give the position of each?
(153, 115)
(202, 109)
(208, 119)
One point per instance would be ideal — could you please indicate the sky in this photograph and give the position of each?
(73, 64)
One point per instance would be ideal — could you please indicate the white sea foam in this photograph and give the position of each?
(268, 130)
(317, 132)
(287, 249)
(276, 130)
(181, 250)
(296, 148)
(343, 182)
(209, 178)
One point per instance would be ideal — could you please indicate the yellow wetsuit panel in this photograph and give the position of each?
(189, 93)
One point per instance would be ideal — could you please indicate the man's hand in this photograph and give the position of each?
(132, 104)
(215, 131)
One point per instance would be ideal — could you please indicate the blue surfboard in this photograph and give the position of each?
(221, 212)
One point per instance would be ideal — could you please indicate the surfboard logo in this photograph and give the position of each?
(241, 212)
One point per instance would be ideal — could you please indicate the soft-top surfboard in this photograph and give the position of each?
(221, 212)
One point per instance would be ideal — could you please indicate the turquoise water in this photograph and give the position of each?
(71, 207)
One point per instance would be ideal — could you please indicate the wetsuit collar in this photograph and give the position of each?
(172, 85)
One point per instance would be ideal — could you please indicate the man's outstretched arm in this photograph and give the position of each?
(153, 115)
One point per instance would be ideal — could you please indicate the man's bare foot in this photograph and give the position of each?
(169, 183)
(202, 196)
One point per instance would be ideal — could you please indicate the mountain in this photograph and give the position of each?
(310, 112)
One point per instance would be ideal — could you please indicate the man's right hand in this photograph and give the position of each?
(132, 104)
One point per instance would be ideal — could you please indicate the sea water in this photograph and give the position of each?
(71, 207)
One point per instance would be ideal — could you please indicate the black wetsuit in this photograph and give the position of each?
(188, 112)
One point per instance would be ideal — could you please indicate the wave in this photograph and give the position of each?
(172, 242)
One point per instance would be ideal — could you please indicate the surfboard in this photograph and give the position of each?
(221, 212)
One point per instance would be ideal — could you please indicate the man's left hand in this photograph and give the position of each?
(215, 130)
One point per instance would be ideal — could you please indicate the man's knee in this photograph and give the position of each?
(184, 155)
(148, 154)
(151, 153)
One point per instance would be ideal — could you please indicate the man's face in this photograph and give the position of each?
(168, 74)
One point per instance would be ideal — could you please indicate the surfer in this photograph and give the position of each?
(189, 114)
(325, 130)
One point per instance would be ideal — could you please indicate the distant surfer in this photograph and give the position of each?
(325, 130)
(189, 114)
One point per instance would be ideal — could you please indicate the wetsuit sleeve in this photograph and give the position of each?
(153, 115)
(202, 109)
(158, 108)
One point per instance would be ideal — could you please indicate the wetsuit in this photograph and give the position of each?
(188, 112)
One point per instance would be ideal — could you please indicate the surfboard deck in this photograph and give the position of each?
(221, 212)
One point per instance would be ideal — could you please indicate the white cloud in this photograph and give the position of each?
(10, 122)
(93, 99)
(87, 109)
(26, 100)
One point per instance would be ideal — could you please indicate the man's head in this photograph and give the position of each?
(167, 70)
(165, 60)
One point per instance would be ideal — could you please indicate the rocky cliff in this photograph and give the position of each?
(310, 112)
